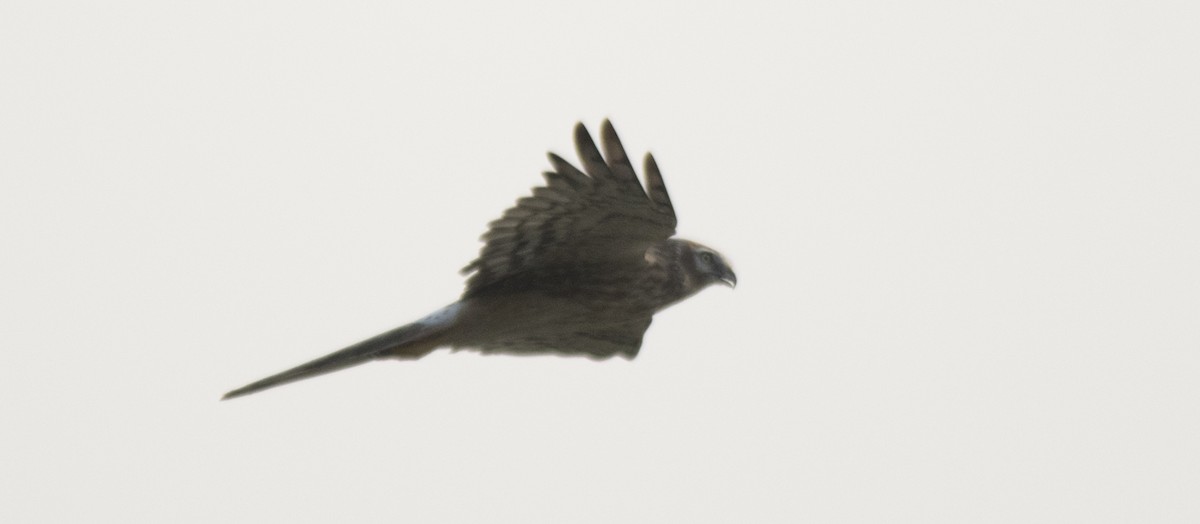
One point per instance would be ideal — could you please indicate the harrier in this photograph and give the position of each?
(578, 268)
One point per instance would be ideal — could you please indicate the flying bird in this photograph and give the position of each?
(578, 268)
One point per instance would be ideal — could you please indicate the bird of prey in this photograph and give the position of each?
(578, 268)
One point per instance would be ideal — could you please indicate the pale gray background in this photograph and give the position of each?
(967, 235)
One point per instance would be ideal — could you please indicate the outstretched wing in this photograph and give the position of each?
(577, 218)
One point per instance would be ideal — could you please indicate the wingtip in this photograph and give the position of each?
(606, 127)
(650, 164)
(608, 136)
(582, 134)
(604, 124)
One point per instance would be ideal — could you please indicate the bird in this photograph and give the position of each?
(579, 268)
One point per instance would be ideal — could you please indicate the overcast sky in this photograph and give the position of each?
(967, 238)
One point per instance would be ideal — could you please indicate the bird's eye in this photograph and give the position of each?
(706, 257)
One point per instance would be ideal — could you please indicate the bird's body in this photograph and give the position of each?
(579, 268)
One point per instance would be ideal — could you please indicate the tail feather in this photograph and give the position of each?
(411, 341)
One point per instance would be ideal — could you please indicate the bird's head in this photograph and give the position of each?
(707, 266)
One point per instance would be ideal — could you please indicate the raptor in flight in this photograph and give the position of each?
(578, 268)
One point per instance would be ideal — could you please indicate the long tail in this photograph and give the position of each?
(411, 341)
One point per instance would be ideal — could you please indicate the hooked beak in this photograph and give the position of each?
(728, 278)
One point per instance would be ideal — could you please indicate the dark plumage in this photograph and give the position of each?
(578, 268)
